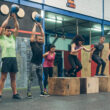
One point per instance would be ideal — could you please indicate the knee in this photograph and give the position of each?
(45, 76)
(30, 79)
(45, 79)
(99, 63)
(13, 78)
(104, 63)
(40, 78)
(3, 79)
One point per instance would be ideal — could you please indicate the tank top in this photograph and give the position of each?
(77, 47)
(8, 45)
(49, 60)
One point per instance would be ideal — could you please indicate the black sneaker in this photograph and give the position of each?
(42, 94)
(0, 98)
(29, 95)
(16, 96)
(66, 73)
(102, 74)
(74, 73)
(97, 75)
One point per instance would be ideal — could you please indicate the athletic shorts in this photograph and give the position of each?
(9, 64)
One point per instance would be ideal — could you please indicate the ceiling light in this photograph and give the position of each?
(42, 13)
(53, 20)
(96, 29)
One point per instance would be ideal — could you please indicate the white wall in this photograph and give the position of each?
(86, 7)
(107, 10)
(38, 1)
(61, 44)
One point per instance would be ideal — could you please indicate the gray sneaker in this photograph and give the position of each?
(29, 95)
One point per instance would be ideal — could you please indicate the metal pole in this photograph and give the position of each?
(77, 28)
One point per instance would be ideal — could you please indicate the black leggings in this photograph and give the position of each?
(99, 62)
(74, 61)
(47, 71)
(109, 57)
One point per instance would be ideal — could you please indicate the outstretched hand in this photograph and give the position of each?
(92, 48)
(39, 24)
(35, 24)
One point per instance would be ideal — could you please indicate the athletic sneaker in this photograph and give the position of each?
(44, 94)
(73, 75)
(66, 73)
(102, 75)
(0, 98)
(16, 96)
(97, 74)
(45, 91)
(29, 95)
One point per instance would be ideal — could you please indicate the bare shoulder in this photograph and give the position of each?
(32, 39)
(47, 53)
(1, 31)
(73, 45)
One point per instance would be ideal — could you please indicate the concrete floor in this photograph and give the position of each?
(81, 102)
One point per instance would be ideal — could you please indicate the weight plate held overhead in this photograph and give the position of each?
(34, 14)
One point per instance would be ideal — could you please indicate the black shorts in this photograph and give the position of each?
(9, 64)
(109, 57)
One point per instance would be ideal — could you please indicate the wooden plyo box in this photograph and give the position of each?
(104, 84)
(89, 85)
(63, 86)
